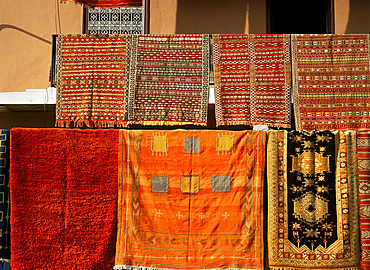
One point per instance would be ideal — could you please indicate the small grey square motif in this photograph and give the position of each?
(160, 184)
(221, 183)
(192, 145)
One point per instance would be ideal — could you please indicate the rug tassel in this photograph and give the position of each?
(131, 267)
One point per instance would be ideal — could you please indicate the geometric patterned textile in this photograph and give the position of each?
(4, 195)
(190, 200)
(252, 80)
(169, 79)
(363, 161)
(331, 81)
(92, 73)
(64, 198)
(107, 3)
(313, 207)
(128, 20)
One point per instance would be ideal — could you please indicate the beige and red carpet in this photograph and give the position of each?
(169, 79)
(331, 81)
(92, 74)
(252, 79)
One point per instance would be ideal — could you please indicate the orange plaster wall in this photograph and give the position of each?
(352, 16)
(216, 16)
(26, 27)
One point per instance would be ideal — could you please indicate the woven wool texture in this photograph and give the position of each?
(252, 80)
(190, 200)
(169, 79)
(4, 195)
(92, 74)
(107, 3)
(313, 207)
(363, 161)
(331, 81)
(117, 80)
(64, 198)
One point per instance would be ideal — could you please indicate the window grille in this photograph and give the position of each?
(125, 20)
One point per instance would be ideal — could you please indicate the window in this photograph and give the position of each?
(125, 20)
(299, 17)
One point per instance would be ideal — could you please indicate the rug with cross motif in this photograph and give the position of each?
(190, 200)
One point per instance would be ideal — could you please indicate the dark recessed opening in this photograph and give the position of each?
(299, 17)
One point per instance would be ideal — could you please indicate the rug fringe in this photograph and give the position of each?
(91, 123)
(164, 123)
(251, 123)
(132, 267)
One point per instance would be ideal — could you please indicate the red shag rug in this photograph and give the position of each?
(64, 198)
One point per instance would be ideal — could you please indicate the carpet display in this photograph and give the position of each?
(4, 195)
(252, 80)
(64, 198)
(107, 3)
(363, 161)
(169, 79)
(190, 200)
(92, 74)
(313, 207)
(331, 81)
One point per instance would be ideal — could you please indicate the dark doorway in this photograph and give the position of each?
(299, 17)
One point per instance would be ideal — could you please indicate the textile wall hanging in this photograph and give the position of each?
(313, 207)
(363, 160)
(331, 81)
(252, 80)
(169, 79)
(64, 198)
(92, 86)
(190, 200)
(108, 3)
(4, 195)
(125, 20)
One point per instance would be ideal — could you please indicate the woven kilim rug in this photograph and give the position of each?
(252, 80)
(107, 3)
(4, 195)
(331, 81)
(169, 79)
(64, 198)
(313, 208)
(363, 160)
(190, 200)
(92, 74)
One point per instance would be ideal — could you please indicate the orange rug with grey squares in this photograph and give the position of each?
(190, 200)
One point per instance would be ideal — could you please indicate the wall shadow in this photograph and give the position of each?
(208, 17)
(359, 14)
(8, 26)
